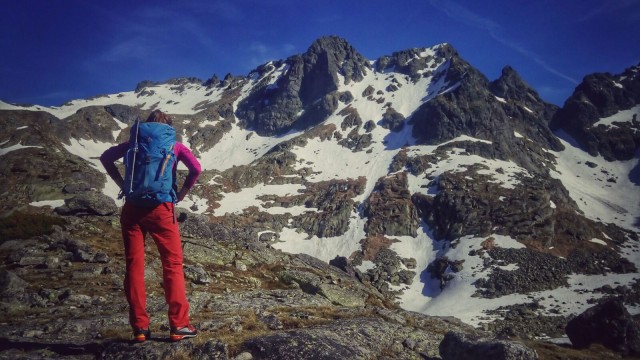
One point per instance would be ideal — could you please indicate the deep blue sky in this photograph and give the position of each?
(55, 51)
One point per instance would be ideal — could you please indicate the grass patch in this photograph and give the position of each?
(548, 351)
(235, 334)
(21, 225)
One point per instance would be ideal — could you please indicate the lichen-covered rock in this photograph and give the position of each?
(207, 252)
(308, 282)
(211, 349)
(193, 225)
(196, 274)
(88, 203)
(347, 339)
(342, 296)
(11, 285)
(460, 346)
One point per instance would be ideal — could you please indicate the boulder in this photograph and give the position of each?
(196, 274)
(342, 339)
(460, 346)
(193, 225)
(11, 285)
(342, 296)
(609, 324)
(308, 282)
(392, 120)
(76, 187)
(345, 265)
(89, 203)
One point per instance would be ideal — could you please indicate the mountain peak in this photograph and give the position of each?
(304, 83)
(601, 96)
(335, 55)
(330, 43)
(508, 71)
(510, 85)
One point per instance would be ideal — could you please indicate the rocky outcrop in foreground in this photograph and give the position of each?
(61, 292)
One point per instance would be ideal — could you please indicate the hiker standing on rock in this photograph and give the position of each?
(149, 186)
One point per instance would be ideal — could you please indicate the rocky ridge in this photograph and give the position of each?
(602, 95)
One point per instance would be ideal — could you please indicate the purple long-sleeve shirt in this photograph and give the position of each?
(112, 154)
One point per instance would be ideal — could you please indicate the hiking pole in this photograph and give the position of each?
(135, 151)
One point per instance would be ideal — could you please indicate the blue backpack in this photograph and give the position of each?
(149, 164)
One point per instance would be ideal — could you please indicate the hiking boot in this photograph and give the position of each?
(140, 335)
(185, 332)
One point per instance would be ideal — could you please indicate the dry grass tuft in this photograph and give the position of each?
(234, 335)
(119, 333)
(547, 351)
(20, 225)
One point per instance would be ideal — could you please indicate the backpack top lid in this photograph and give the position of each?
(154, 133)
(149, 164)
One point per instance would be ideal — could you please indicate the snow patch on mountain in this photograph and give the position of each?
(170, 98)
(234, 203)
(331, 161)
(194, 203)
(273, 75)
(507, 175)
(620, 116)
(240, 147)
(15, 147)
(326, 248)
(50, 203)
(91, 150)
(121, 126)
(602, 192)
(456, 298)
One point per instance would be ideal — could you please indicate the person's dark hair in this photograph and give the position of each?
(159, 117)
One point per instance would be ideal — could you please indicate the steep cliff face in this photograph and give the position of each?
(602, 114)
(524, 105)
(299, 92)
(502, 112)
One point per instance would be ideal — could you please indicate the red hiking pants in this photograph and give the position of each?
(161, 224)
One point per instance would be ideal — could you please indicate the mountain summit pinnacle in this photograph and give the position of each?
(511, 86)
(341, 58)
(304, 82)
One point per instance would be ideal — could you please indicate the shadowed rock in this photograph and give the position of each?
(89, 203)
(459, 346)
(609, 324)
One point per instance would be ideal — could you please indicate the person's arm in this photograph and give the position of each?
(108, 159)
(186, 156)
